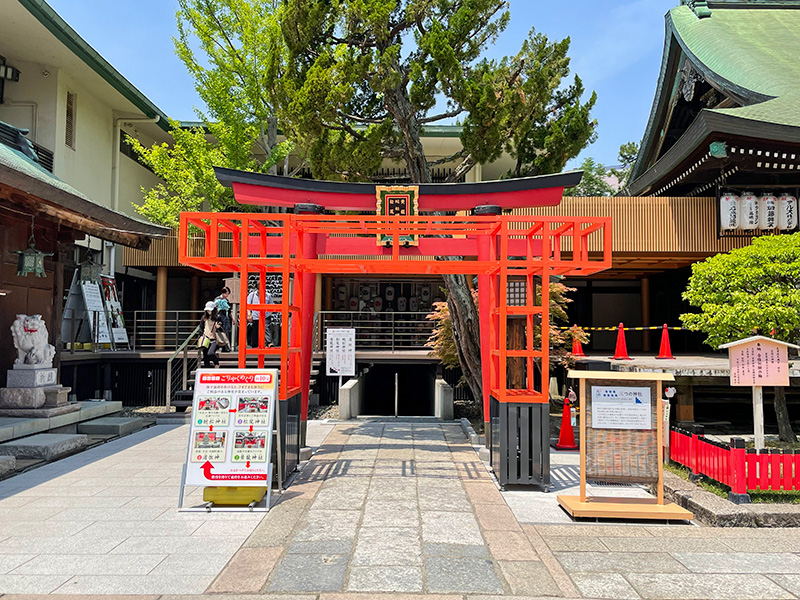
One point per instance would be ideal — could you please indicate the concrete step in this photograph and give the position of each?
(45, 446)
(111, 426)
(8, 464)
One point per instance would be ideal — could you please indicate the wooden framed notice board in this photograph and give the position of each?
(622, 435)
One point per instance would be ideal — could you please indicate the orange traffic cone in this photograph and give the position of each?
(621, 351)
(577, 348)
(665, 352)
(566, 437)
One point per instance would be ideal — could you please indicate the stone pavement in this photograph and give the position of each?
(400, 511)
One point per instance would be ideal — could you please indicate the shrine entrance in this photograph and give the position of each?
(499, 249)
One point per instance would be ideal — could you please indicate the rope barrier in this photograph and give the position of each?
(660, 327)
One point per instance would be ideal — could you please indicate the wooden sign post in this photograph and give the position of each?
(622, 433)
(758, 361)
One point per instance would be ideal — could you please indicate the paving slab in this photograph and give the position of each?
(739, 562)
(465, 575)
(247, 571)
(527, 578)
(385, 579)
(309, 572)
(619, 562)
(604, 585)
(680, 587)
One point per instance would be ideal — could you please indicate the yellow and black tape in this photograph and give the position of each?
(661, 327)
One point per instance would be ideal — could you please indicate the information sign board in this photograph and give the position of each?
(233, 413)
(759, 363)
(93, 301)
(621, 407)
(340, 354)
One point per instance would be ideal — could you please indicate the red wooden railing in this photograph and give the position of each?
(740, 469)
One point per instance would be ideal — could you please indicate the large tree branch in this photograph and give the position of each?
(447, 159)
(445, 115)
(357, 119)
(462, 169)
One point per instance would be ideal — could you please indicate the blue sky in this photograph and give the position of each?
(616, 49)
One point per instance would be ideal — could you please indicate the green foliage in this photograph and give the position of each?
(750, 290)
(364, 77)
(443, 344)
(595, 176)
(236, 68)
(627, 158)
(186, 166)
(594, 181)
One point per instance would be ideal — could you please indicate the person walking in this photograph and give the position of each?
(209, 340)
(222, 302)
(253, 318)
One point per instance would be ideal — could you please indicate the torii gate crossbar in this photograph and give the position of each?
(495, 248)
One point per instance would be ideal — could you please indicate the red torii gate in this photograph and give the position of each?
(495, 248)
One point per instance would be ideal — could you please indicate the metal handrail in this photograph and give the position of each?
(183, 348)
(160, 330)
(385, 330)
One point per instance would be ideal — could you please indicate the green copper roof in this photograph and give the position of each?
(748, 49)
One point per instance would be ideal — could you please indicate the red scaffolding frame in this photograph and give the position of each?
(495, 248)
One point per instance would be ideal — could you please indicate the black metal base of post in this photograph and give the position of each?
(519, 436)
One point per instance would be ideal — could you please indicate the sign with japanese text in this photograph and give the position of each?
(233, 413)
(760, 362)
(341, 352)
(621, 407)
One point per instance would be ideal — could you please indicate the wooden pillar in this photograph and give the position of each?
(684, 410)
(58, 307)
(645, 313)
(161, 305)
(516, 365)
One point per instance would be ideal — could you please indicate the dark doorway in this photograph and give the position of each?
(415, 390)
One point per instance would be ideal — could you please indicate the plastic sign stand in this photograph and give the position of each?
(233, 422)
(624, 410)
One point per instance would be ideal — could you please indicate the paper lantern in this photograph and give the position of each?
(413, 304)
(402, 303)
(768, 212)
(729, 212)
(787, 212)
(748, 212)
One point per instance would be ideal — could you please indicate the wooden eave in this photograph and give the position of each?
(22, 193)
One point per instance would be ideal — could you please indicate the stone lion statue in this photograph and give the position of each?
(30, 339)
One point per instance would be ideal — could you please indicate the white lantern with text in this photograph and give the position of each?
(768, 212)
(729, 212)
(787, 212)
(748, 205)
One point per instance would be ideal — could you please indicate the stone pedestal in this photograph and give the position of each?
(33, 391)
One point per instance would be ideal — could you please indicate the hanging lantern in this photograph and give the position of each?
(787, 212)
(729, 212)
(768, 212)
(748, 208)
(89, 269)
(31, 260)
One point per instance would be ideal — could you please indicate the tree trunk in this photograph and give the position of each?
(272, 140)
(463, 312)
(785, 432)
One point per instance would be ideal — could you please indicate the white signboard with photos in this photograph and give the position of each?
(233, 416)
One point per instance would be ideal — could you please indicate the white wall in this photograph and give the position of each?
(30, 103)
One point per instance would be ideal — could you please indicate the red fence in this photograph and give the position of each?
(740, 469)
